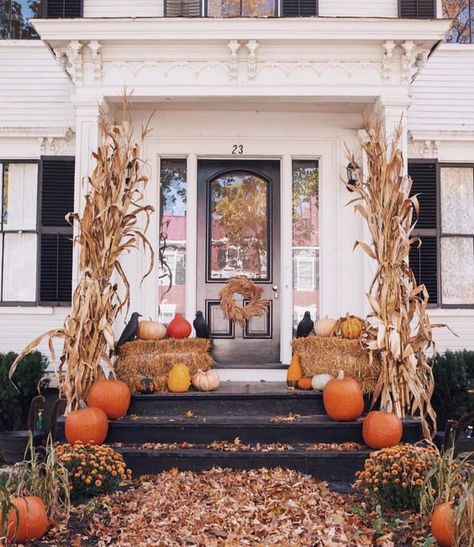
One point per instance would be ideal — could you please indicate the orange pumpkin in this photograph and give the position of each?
(343, 399)
(442, 524)
(30, 517)
(305, 383)
(86, 425)
(382, 430)
(179, 327)
(151, 330)
(351, 327)
(294, 373)
(112, 396)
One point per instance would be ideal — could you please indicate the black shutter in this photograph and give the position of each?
(424, 263)
(417, 9)
(182, 8)
(424, 260)
(57, 199)
(63, 8)
(299, 8)
(424, 176)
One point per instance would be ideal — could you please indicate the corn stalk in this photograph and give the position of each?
(402, 332)
(107, 228)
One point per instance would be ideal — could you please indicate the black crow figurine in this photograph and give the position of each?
(129, 332)
(305, 326)
(200, 326)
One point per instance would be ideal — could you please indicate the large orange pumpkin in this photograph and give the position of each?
(86, 425)
(179, 327)
(112, 396)
(343, 399)
(382, 429)
(442, 524)
(30, 517)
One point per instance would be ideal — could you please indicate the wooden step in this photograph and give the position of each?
(249, 429)
(232, 398)
(336, 467)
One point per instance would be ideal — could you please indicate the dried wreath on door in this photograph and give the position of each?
(256, 306)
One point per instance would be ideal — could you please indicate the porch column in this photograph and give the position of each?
(286, 261)
(191, 238)
(87, 140)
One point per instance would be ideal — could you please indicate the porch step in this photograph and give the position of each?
(249, 429)
(338, 468)
(232, 398)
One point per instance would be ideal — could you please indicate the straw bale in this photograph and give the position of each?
(319, 355)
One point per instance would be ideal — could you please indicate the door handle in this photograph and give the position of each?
(275, 291)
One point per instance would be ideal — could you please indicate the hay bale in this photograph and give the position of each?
(155, 359)
(319, 355)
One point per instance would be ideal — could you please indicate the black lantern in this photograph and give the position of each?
(351, 170)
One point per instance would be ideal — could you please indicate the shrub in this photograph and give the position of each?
(394, 476)
(453, 372)
(93, 469)
(16, 397)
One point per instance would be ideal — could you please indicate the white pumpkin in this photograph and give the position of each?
(320, 380)
(324, 326)
(206, 381)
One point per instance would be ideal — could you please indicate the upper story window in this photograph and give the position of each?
(241, 8)
(462, 12)
(15, 15)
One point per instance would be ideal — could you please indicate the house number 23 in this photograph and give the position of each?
(238, 149)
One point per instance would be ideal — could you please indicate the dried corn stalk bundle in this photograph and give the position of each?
(107, 227)
(402, 332)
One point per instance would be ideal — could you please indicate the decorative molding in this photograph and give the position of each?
(408, 62)
(424, 148)
(53, 146)
(233, 46)
(388, 47)
(95, 47)
(76, 61)
(252, 46)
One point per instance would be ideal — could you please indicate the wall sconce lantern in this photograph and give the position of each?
(351, 170)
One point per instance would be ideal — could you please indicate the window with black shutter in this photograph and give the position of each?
(299, 8)
(417, 9)
(56, 9)
(424, 258)
(57, 200)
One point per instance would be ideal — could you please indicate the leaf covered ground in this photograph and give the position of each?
(222, 507)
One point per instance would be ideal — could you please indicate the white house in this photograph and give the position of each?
(255, 101)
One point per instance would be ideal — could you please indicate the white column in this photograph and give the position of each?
(286, 261)
(191, 238)
(87, 140)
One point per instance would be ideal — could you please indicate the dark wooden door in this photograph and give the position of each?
(239, 235)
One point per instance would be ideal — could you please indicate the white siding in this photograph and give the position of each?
(365, 8)
(19, 326)
(34, 91)
(123, 8)
(461, 322)
(443, 94)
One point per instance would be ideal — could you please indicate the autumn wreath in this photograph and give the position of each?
(256, 306)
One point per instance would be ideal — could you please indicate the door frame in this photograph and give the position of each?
(269, 170)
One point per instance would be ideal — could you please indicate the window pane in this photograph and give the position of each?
(241, 8)
(457, 200)
(457, 270)
(19, 267)
(172, 238)
(19, 202)
(15, 16)
(305, 213)
(239, 228)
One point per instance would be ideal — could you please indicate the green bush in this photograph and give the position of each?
(454, 376)
(16, 397)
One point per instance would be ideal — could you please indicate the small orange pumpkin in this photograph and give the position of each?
(151, 330)
(30, 517)
(442, 524)
(305, 383)
(86, 425)
(382, 429)
(112, 396)
(179, 327)
(343, 399)
(351, 327)
(294, 373)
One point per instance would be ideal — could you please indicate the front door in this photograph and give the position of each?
(239, 235)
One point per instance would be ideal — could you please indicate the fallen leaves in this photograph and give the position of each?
(291, 417)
